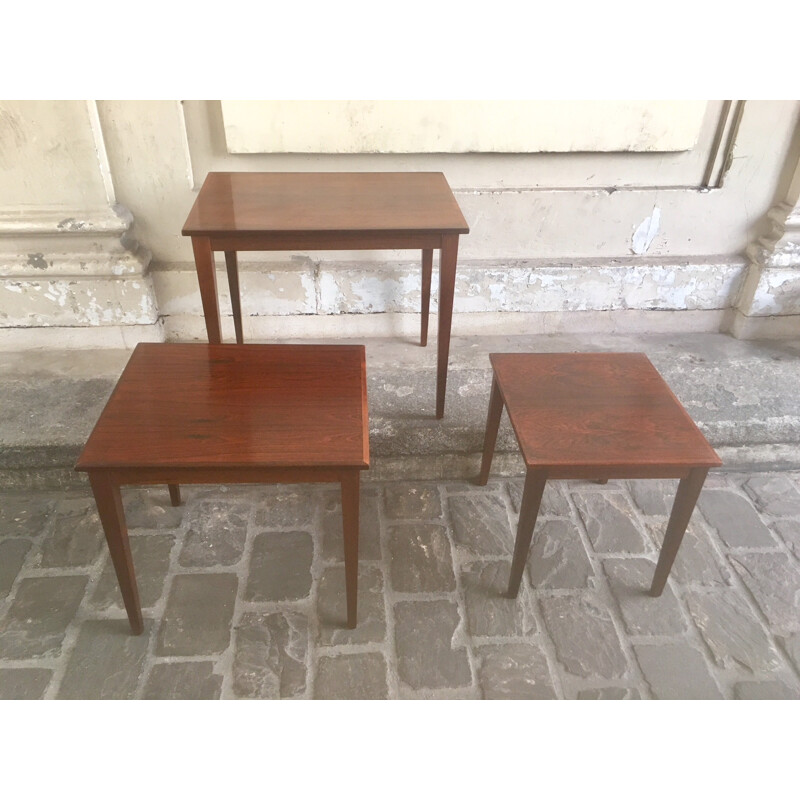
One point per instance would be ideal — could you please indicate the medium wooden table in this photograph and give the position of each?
(328, 211)
(595, 416)
(196, 413)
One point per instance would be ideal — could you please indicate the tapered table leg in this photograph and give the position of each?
(427, 271)
(232, 266)
(207, 279)
(688, 491)
(447, 283)
(492, 425)
(350, 505)
(535, 480)
(109, 507)
(174, 494)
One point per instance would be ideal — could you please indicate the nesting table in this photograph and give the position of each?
(595, 416)
(243, 413)
(300, 211)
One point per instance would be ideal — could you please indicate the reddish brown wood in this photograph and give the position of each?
(427, 272)
(535, 481)
(492, 426)
(350, 500)
(327, 240)
(232, 266)
(174, 494)
(447, 283)
(207, 280)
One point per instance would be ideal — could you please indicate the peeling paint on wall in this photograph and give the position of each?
(643, 236)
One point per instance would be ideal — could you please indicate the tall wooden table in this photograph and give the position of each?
(328, 211)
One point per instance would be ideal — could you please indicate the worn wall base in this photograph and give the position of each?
(120, 337)
(743, 326)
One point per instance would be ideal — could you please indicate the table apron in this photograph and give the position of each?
(342, 240)
(624, 471)
(123, 476)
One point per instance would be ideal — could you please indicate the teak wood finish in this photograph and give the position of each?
(194, 413)
(303, 211)
(595, 416)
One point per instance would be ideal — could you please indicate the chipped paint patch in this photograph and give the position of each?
(36, 260)
(643, 236)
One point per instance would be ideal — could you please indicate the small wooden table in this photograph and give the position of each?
(328, 211)
(196, 413)
(595, 416)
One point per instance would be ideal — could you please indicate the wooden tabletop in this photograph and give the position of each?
(597, 409)
(249, 405)
(316, 202)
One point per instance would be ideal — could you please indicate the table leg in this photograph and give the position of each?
(207, 278)
(350, 507)
(685, 500)
(232, 266)
(447, 283)
(427, 271)
(535, 480)
(174, 494)
(112, 517)
(492, 425)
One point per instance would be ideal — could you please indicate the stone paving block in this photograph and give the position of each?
(490, 612)
(789, 531)
(216, 535)
(586, 641)
(151, 561)
(185, 680)
(734, 519)
(609, 521)
(369, 526)
(774, 581)
(24, 684)
(653, 497)
(697, 562)
(412, 501)
(198, 615)
(764, 690)
(280, 566)
(150, 508)
(676, 672)
(360, 676)
(35, 624)
(609, 693)
(557, 558)
(421, 560)
(732, 632)
(77, 536)
(427, 657)
(25, 514)
(270, 656)
(12, 556)
(791, 645)
(332, 607)
(554, 503)
(515, 671)
(776, 495)
(481, 525)
(106, 662)
(629, 580)
(287, 506)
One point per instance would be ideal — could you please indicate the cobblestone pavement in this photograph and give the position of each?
(243, 590)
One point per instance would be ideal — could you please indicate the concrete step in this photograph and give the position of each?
(744, 395)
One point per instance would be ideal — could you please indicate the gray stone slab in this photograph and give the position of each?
(369, 526)
(557, 558)
(76, 539)
(610, 523)
(587, 645)
(427, 657)
(185, 680)
(789, 531)
(106, 662)
(554, 503)
(481, 525)
(676, 672)
(421, 558)
(697, 561)
(150, 508)
(35, 624)
(216, 535)
(515, 671)
(270, 656)
(360, 676)
(776, 495)
(732, 632)
(653, 497)
(629, 580)
(151, 561)
(734, 519)
(609, 693)
(412, 501)
(198, 615)
(332, 607)
(791, 645)
(280, 566)
(24, 684)
(287, 506)
(25, 514)
(764, 690)
(490, 612)
(12, 557)
(774, 581)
